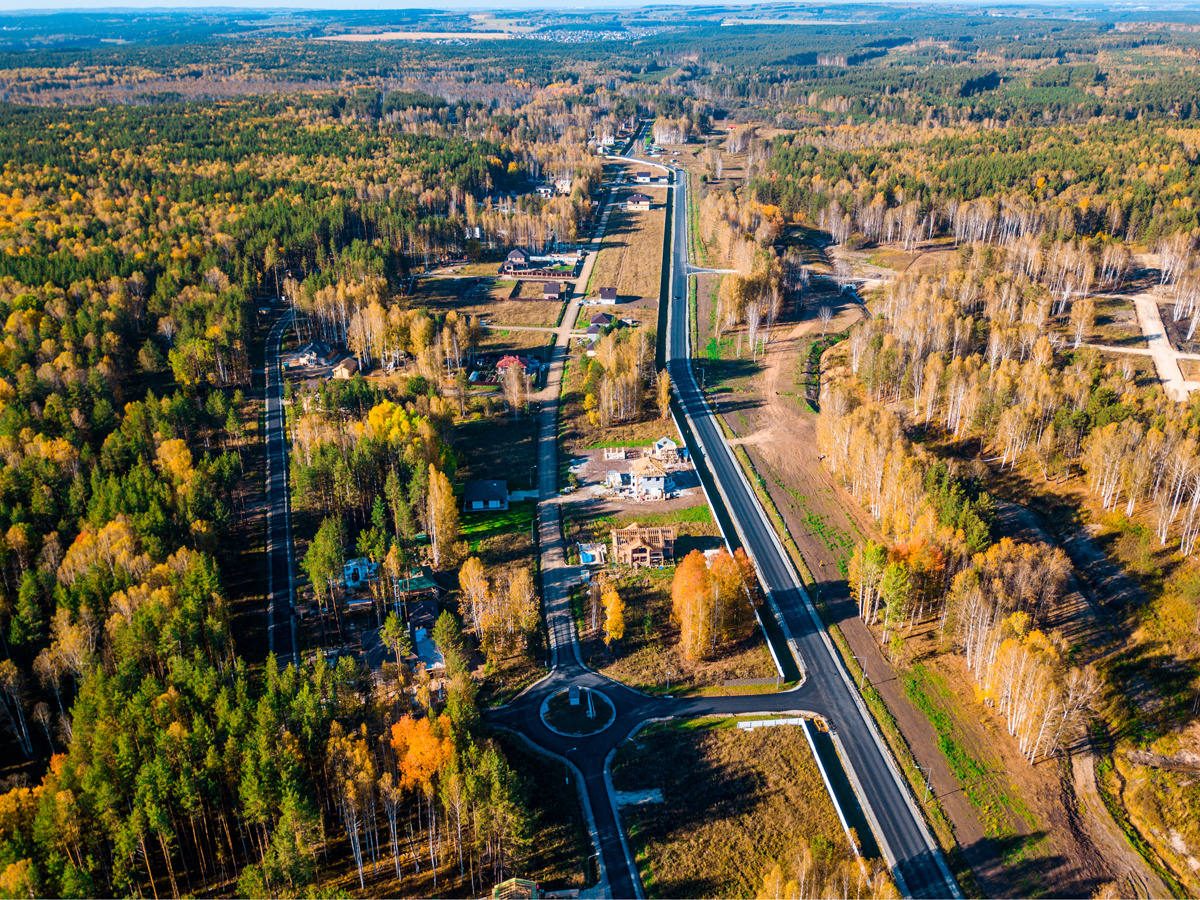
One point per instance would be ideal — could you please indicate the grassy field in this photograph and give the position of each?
(480, 526)
(489, 298)
(570, 719)
(734, 803)
(503, 340)
(631, 256)
(1116, 324)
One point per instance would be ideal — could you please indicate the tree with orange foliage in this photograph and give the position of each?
(422, 752)
(713, 604)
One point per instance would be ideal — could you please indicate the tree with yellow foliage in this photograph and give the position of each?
(614, 611)
(443, 516)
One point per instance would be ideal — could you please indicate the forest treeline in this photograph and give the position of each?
(138, 246)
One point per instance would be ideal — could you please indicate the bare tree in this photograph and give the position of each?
(826, 315)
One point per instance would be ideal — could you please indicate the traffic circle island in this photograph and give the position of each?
(577, 712)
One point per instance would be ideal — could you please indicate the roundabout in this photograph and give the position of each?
(577, 712)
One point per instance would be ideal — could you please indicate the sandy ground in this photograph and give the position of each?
(591, 468)
(1166, 358)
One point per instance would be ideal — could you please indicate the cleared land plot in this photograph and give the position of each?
(631, 256)
(734, 803)
(1116, 324)
(486, 298)
(504, 340)
(495, 448)
(1190, 368)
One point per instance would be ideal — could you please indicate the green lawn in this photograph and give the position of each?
(479, 526)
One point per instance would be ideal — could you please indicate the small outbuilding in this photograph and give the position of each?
(346, 368)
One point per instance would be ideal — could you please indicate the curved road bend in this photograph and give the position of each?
(903, 834)
(280, 573)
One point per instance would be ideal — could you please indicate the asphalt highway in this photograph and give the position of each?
(826, 689)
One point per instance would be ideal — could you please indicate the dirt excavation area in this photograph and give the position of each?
(1023, 830)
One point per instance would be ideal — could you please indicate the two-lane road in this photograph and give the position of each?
(921, 871)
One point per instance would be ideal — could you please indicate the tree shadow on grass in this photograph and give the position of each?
(696, 793)
(1158, 690)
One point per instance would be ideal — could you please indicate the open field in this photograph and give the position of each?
(734, 804)
(631, 256)
(490, 299)
(512, 340)
(1116, 324)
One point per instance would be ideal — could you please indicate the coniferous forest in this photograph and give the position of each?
(948, 320)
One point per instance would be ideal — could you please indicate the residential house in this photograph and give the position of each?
(485, 495)
(643, 177)
(638, 546)
(602, 319)
(545, 191)
(314, 353)
(608, 294)
(516, 261)
(553, 290)
(666, 450)
(346, 368)
(357, 572)
(637, 203)
(649, 479)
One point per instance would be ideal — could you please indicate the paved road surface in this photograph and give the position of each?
(919, 867)
(827, 690)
